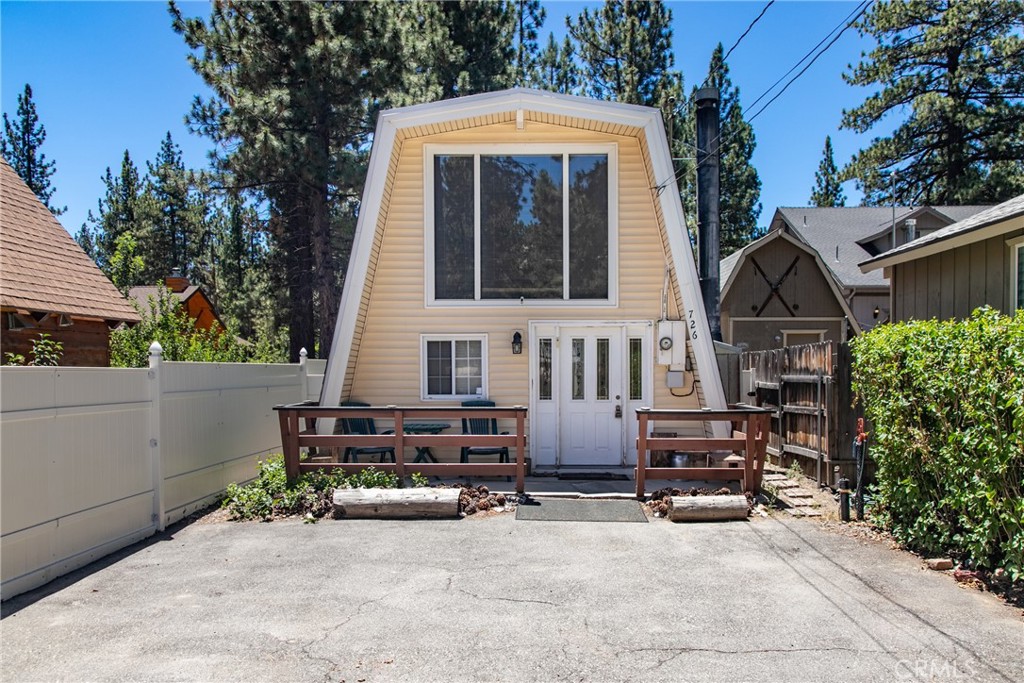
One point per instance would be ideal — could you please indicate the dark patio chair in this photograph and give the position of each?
(482, 425)
(362, 425)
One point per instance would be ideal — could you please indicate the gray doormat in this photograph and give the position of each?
(580, 510)
(592, 476)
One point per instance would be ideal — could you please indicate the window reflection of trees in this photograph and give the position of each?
(521, 225)
(453, 227)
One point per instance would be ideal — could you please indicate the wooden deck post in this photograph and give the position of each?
(750, 452)
(764, 423)
(399, 442)
(290, 442)
(641, 453)
(520, 449)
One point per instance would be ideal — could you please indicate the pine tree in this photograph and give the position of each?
(20, 143)
(958, 67)
(296, 87)
(124, 208)
(556, 68)
(739, 184)
(475, 49)
(828, 190)
(625, 50)
(178, 235)
(529, 18)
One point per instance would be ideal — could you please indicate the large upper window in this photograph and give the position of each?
(512, 223)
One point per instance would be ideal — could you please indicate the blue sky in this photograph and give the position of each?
(112, 76)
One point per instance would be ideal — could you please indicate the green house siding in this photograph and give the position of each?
(953, 283)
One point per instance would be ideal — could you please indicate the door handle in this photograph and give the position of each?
(618, 411)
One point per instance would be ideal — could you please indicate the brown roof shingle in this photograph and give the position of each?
(42, 268)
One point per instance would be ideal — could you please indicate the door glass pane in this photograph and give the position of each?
(544, 371)
(439, 368)
(521, 227)
(602, 369)
(453, 227)
(588, 226)
(636, 369)
(578, 383)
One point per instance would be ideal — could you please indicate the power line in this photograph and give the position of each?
(841, 27)
(844, 22)
(738, 40)
(863, 9)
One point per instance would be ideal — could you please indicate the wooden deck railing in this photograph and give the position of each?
(750, 436)
(298, 430)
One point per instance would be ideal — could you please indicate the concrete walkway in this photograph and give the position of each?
(493, 599)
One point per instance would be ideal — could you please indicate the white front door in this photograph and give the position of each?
(590, 395)
(587, 380)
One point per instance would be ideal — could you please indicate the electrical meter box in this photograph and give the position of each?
(671, 341)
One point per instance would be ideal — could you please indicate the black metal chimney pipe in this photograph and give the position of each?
(708, 228)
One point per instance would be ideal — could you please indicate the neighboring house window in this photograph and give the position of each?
(453, 366)
(798, 337)
(1017, 271)
(510, 223)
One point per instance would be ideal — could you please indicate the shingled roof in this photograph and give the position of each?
(973, 224)
(42, 268)
(835, 233)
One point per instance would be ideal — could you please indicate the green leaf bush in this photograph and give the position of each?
(270, 495)
(945, 401)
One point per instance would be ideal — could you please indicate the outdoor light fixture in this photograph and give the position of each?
(876, 312)
(517, 343)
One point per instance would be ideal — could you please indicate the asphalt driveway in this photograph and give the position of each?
(500, 599)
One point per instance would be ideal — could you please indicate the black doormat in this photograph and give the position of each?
(593, 476)
(580, 510)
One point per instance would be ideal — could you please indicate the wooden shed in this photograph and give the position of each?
(49, 285)
(800, 283)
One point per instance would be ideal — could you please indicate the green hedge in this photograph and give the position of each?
(945, 403)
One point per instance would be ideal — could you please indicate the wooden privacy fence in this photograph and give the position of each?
(807, 388)
(749, 436)
(299, 430)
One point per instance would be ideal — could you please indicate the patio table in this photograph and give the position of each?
(423, 453)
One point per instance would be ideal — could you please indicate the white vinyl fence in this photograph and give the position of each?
(95, 459)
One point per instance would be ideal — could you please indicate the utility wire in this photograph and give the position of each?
(844, 22)
(863, 9)
(841, 27)
(738, 41)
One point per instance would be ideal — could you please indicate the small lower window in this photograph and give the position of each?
(453, 367)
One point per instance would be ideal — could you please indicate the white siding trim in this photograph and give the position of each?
(1016, 248)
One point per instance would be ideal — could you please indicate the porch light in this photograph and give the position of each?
(517, 343)
(876, 312)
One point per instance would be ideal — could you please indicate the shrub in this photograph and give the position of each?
(946, 406)
(310, 495)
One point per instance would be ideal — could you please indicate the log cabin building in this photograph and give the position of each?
(49, 285)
